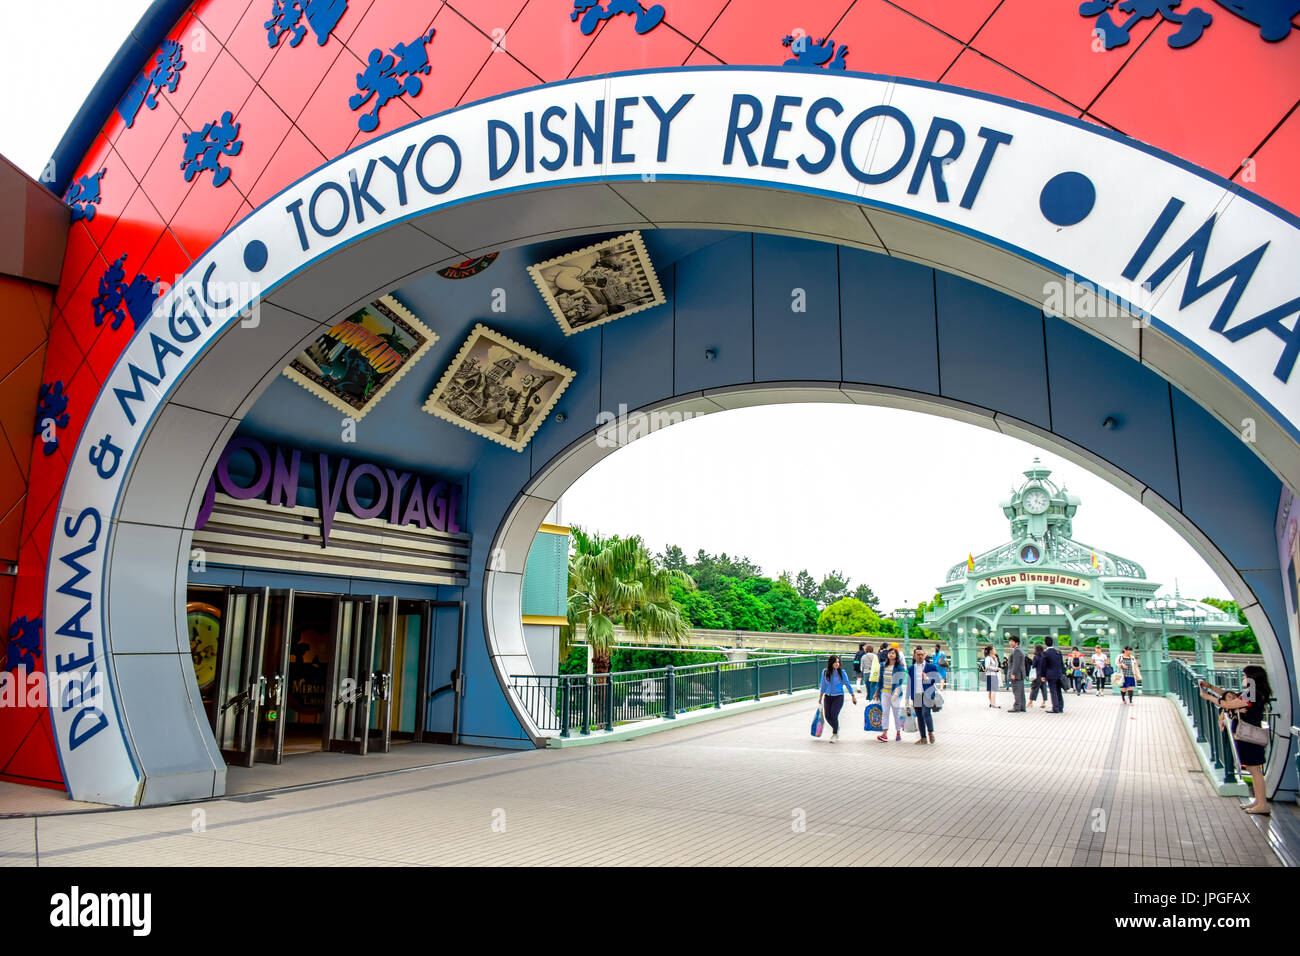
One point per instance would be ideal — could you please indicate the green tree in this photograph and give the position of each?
(747, 612)
(791, 613)
(849, 616)
(673, 558)
(806, 586)
(701, 609)
(834, 586)
(867, 596)
(615, 581)
(1238, 642)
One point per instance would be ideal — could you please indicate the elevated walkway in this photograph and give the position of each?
(1100, 785)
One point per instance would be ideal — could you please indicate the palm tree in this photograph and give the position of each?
(614, 581)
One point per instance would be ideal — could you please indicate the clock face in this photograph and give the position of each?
(205, 638)
(1036, 501)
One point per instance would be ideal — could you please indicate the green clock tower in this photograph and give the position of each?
(1045, 583)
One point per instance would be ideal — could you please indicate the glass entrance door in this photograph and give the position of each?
(411, 649)
(382, 677)
(351, 684)
(269, 746)
(241, 688)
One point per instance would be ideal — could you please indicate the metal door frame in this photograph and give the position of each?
(254, 687)
(381, 681)
(457, 684)
(368, 605)
(278, 692)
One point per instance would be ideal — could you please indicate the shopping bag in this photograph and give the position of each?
(936, 700)
(819, 722)
(874, 717)
(909, 722)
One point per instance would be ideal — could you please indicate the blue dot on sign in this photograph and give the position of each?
(1067, 198)
(255, 255)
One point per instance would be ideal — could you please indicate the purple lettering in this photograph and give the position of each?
(205, 509)
(328, 493)
(453, 507)
(398, 481)
(381, 492)
(284, 482)
(437, 503)
(259, 452)
(415, 508)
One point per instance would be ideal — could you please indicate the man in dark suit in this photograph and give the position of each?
(1017, 670)
(1053, 671)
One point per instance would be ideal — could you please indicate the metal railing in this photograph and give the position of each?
(789, 643)
(582, 703)
(1183, 682)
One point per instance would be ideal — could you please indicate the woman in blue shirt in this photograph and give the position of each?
(832, 688)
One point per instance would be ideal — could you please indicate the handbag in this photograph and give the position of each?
(909, 722)
(819, 722)
(873, 718)
(1249, 733)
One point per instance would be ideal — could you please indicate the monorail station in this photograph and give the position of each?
(320, 308)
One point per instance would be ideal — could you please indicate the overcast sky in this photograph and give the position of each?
(824, 487)
(814, 486)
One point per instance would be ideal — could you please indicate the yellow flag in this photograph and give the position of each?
(970, 562)
(1094, 560)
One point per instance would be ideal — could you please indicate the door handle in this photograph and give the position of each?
(261, 690)
(277, 690)
(384, 681)
(239, 701)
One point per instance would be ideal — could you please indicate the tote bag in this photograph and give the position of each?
(874, 717)
(909, 722)
(819, 722)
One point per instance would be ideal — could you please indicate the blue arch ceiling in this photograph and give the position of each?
(871, 320)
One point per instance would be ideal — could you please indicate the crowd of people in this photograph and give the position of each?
(909, 693)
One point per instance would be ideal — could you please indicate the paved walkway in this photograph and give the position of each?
(1100, 785)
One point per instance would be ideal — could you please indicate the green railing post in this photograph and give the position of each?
(609, 702)
(789, 675)
(670, 693)
(564, 706)
(1229, 756)
(586, 705)
(717, 686)
(757, 682)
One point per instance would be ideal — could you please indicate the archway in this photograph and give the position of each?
(321, 248)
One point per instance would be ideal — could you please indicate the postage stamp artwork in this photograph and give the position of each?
(499, 389)
(358, 361)
(599, 283)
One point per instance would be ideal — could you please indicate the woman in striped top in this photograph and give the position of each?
(893, 690)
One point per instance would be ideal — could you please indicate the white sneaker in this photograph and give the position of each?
(834, 737)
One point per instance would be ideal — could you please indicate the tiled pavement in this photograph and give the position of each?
(1100, 785)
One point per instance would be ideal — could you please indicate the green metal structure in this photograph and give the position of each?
(1045, 583)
